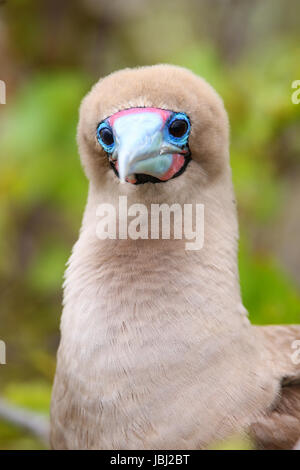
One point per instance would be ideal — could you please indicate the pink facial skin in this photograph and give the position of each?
(165, 114)
(177, 164)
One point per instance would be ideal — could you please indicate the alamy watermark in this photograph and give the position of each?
(295, 357)
(160, 221)
(2, 92)
(2, 352)
(296, 93)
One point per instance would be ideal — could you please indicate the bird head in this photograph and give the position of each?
(149, 125)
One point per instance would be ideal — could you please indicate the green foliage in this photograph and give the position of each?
(33, 396)
(237, 442)
(268, 293)
(38, 142)
(43, 192)
(14, 439)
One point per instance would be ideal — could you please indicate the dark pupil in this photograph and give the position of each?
(107, 136)
(178, 128)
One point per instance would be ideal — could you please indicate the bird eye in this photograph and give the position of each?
(105, 137)
(179, 128)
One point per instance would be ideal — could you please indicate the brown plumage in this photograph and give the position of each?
(157, 351)
(279, 427)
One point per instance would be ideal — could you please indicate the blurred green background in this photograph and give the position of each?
(51, 53)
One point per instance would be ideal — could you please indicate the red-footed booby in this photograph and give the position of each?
(157, 351)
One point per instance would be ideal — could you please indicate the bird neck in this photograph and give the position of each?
(129, 273)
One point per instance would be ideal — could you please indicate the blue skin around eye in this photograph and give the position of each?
(180, 141)
(107, 148)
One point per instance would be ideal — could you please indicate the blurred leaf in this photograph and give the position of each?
(32, 395)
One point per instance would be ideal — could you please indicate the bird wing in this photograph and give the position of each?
(279, 428)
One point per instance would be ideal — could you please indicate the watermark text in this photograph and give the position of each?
(2, 92)
(2, 352)
(295, 357)
(159, 221)
(296, 94)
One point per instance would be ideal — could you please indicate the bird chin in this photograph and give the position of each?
(178, 167)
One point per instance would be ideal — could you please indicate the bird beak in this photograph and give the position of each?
(140, 146)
